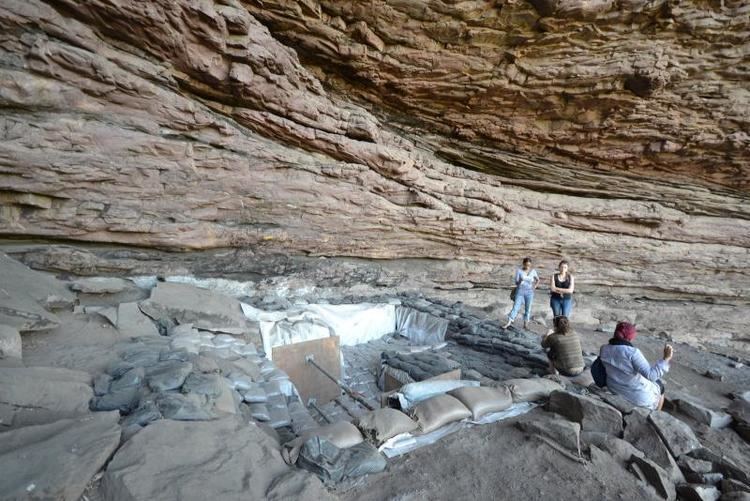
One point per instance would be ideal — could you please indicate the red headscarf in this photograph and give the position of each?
(625, 331)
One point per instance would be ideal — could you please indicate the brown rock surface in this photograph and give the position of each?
(617, 137)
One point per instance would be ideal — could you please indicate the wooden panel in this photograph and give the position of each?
(310, 382)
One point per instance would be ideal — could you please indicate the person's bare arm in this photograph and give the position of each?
(570, 289)
(552, 284)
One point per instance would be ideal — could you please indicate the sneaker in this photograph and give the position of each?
(510, 322)
(525, 324)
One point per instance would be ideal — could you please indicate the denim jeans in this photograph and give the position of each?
(561, 305)
(525, 298)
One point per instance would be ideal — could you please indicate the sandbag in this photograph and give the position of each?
(276, 401)
(192, 407)
(145, 413)
(381, 424)
(238, 381)
(279, 416)
(186, 343)
(215, 352)
(181, 355)
(414, 393)
(203, 384)
(341, 434)
(244, 349)
(255, 394)
(334, 464)
(273, 388)
(483, 400)
(286, 387)
(529, 390)
(168, 375)
(225, 340)
(266, 367)
(438, 411)
(259, 412)
(276, 375)
(247, 367)
(302, 421)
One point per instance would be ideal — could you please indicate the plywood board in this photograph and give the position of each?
(310, 382)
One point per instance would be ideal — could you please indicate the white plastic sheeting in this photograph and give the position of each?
(420, 327)
(353, 323)
(411, 394)
(407, 442)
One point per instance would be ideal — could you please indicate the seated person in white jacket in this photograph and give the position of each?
(629, 373)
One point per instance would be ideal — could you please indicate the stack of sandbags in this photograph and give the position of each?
(334, 452)
(383, 424)
(530, 390)
(341, 434)
(438, 411)
(413, 393)
(483, 400)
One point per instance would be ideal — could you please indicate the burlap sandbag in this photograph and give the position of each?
(341, 434)
(381, 424)
(483, 400)
(437, 411)
(529, 390)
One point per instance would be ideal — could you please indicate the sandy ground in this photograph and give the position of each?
(488, 462)
(495, 461)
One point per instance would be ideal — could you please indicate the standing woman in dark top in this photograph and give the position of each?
(561, 291)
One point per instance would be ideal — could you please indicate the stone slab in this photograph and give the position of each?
(566, 433)
(39, 395)
(56, 460)
(132, 322)
(592, 414)
(225, 456)
(698, 492)
(640, 432)
(205, 309)
(43, 288)
(101, 285)
(701, 413)
(656, 476)
(676, 435)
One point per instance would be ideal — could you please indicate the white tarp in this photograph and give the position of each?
(353, 323)
(420, 327)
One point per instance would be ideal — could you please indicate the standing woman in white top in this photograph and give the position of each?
(526, 279)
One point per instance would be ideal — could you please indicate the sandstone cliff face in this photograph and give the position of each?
(615, 135)
(657, 89)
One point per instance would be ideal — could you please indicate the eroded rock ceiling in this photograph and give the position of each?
(613, 133)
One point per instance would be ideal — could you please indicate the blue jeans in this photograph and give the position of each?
(561, 306)
(525, 298)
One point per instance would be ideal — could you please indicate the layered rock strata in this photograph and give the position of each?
(477, 131)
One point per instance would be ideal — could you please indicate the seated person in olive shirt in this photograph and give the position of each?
(564, 349)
